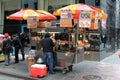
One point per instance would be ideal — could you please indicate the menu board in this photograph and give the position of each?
(85, 19)
(104, 18)
(32, 22)
(65, 18)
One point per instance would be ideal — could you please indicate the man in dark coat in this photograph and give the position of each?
(22, 40)
(7, 48)
(17, 45)
(48, 45)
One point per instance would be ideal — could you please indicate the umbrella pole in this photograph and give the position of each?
(30, 38)
(69, 40)
(76, 33)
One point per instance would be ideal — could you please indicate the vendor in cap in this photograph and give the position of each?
(47, 45)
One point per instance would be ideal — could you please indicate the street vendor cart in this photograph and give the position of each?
(64, 53)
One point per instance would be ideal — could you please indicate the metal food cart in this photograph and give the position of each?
(65, 52)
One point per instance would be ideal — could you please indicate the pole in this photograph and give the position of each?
(76, 31)
(116, 24)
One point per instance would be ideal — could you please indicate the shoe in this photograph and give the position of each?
(51, 72)
(22, 60)
(6, 64)
(16, 62)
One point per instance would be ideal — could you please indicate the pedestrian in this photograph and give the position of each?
(48, 44)
(7, 48)
(22, 40)
(17, 45)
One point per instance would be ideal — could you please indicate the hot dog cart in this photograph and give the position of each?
(65, 54)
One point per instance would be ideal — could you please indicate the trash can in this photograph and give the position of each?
(30, 61)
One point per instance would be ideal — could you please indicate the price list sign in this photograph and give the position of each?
(32, 22)
(85, 19)
(65, 18)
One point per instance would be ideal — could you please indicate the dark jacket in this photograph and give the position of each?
(5, 42)
(47, 44)
(22, 39)
(16, 43)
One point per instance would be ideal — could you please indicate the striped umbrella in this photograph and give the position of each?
(23, 14)
(75, 9)
(44, 15)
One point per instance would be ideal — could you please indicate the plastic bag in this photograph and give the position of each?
(32, 52)
(39, 60)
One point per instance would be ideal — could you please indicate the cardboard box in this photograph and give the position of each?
(30, 62)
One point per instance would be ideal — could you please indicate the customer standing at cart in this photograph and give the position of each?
(17, 45)
(48, 44)
(22, 40)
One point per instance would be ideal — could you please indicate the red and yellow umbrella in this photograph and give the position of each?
(100, 11)
(44, 15)
(75, 10)
(23, 14)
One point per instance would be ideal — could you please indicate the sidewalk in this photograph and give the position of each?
(107, 69)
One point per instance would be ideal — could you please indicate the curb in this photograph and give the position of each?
(18, 76)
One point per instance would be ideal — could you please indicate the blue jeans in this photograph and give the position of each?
(7, 59)
(22, 52)
(48, 60)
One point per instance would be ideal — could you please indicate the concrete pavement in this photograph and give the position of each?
(107, 69)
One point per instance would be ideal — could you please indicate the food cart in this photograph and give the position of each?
(87, 19)
(65, 51)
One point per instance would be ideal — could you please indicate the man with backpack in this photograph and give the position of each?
(7, 48)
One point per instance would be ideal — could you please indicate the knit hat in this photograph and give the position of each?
(47, 35)
(6, 35)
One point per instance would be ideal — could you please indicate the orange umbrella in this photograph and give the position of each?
(100, 11)
(44, 15)
(75, 9)
(23, 14)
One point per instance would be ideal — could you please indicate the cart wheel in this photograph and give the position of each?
(70, 67)
(64, 71)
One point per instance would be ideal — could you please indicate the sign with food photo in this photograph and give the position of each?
(66, 18)
(32, 22)
(85, 19)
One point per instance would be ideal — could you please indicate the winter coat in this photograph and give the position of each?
(6, 49)
(16, 43)
(47, 44)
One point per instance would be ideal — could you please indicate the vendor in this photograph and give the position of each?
(80, 43)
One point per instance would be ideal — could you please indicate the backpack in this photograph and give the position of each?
(8, 47)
